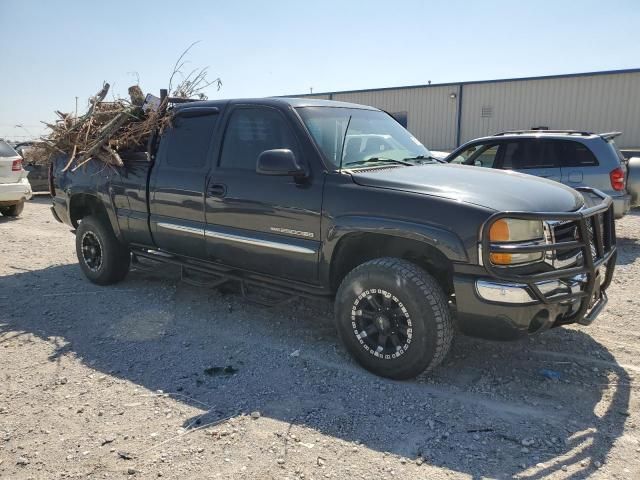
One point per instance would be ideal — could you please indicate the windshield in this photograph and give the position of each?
(352, 137)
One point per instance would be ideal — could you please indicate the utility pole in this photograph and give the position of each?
(19, 125)
(76, 117)
(310, 89)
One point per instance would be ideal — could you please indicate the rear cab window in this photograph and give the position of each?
(188, 140)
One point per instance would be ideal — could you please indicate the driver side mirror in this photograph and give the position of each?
(279, 161)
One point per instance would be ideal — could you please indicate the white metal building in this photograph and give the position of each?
(446, 115)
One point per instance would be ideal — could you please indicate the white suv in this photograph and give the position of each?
(14, 186)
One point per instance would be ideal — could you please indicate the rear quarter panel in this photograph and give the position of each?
(130, 195)
(121, 191)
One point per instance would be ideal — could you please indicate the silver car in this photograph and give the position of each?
(577, 159)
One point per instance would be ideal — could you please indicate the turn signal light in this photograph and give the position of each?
(500, 233)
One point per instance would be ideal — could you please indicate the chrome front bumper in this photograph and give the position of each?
(520, 293)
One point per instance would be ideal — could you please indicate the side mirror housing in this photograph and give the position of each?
(279, 161)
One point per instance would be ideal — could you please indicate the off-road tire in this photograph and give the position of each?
(13, 210)
(115, 257)
(425, 303)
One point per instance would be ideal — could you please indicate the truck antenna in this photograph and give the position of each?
(344, 140)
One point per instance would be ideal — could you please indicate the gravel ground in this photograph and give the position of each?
(158, 378)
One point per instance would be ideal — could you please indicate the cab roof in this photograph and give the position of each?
(274, 101)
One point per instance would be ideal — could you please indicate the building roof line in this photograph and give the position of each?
(475, 82)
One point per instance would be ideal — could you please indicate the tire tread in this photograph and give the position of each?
(118, 255)
(431, 292)
(13, 210)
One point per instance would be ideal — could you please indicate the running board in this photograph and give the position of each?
(186, 278)
(138, 265)
(244, 291)
(225, 275)
(264, 302)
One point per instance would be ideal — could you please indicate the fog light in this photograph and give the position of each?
(503, 292)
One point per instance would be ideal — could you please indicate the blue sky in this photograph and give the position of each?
(52, 51)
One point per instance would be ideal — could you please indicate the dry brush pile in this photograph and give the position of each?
(109, 130)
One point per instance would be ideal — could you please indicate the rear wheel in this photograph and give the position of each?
(393, 317)
(13, 210)
(103, 259)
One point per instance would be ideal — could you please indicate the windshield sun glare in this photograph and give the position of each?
(352, 137)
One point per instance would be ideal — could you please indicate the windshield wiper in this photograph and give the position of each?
(422, 157)
(379, 160)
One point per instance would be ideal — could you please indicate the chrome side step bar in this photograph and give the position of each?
(224, 275)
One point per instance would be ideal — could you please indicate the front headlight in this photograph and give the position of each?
(513, 231)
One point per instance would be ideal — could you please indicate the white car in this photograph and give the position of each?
(14, 185)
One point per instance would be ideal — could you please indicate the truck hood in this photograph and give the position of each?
(500, 190)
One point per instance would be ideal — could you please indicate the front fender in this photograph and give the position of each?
(445, 241)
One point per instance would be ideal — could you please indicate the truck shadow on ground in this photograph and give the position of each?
(4, 219)
(492, 409)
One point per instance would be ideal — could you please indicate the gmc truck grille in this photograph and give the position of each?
(562, 232)
(592, 237)
(565, 232)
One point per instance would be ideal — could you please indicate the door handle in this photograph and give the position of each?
(217, 190)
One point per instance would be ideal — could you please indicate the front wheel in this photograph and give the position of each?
(103, 259)
(393, 318)
(13, 210)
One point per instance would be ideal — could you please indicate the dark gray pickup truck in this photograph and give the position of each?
(322, 198)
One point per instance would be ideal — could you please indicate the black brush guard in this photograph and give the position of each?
(598, 248)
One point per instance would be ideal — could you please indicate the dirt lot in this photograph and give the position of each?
(157, 378)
